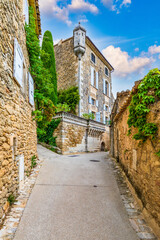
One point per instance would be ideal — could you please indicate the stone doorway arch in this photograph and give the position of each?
(102, 146)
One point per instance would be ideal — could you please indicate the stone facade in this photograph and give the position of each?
(18, 138)
(140, 162)
(75, 134)
(86, 75)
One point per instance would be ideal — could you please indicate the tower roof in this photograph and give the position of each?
(79, 27)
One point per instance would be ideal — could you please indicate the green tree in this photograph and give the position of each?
(49, 63)
(45, 108)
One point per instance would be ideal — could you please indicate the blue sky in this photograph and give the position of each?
(126, 31)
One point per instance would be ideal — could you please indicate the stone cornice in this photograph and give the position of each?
(73, 119)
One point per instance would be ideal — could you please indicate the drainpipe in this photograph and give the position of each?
(79, 82)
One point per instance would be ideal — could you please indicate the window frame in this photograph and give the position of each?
(94, 57)
(105, 71)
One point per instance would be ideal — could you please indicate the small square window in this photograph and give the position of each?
(93, 58)
(106, 71)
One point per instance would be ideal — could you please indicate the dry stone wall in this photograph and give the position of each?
(17, 128)
(139, 161)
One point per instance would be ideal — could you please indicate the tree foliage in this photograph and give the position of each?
(48, 59)
(69, 96)
(148, 92)
(45, 108)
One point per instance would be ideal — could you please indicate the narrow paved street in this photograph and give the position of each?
(75, 199)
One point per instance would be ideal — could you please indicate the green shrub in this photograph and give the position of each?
(11, 199)
(88, 116)
(33, 161)
(63, 107)
(70, 97)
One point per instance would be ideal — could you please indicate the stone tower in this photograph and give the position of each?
(79, 34)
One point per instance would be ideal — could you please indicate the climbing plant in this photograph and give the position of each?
(49, 61)
(44, 89)
(69, 96)
(148, 92)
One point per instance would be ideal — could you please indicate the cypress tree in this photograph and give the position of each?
(49, 63)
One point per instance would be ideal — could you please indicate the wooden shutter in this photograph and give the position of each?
(97, 80)
(92, 76)
(26, 11)
(31, 89)
(104, 107)
(18, 63)
(96, 103)
(89, 99)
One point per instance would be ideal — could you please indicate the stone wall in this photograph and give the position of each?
(17, 128)
(76, 134)
(139, 161)
(66, 64)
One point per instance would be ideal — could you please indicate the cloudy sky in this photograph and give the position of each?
(126, 31)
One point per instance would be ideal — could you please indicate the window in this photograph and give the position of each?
(106, 71)
(106, 108)
(93, 58)
(106, 88)
(18, 63)
(94, 78)
(31, 89)
(92, 101)
(26, 11)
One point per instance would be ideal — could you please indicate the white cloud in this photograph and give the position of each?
(50, 7)
(123, 63)
(125, 3)
(154, 49)
(81, 5)
(82, 19)
(136, 49)
(115, 5)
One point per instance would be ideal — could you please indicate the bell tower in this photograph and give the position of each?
(79, 34)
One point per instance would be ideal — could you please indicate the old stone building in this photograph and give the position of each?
(139, 161)
(80, 63)
(17, 129)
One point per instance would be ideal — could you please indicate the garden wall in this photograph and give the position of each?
(139, 160)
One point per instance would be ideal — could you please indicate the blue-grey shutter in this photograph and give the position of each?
(31, 89)
(104, 86)
(104, 119)
(89, 99)
(96, 103)
(92, 76)
(104, 107)
(109, 90)
(97, 80)
(18, 63)
(98, 117)
(26, 11)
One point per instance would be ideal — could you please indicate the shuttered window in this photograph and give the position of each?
(26, 11)
(31, 89)
(92, 76)
(97, 80)
(98, 117)
(96, 103)
(18, 63)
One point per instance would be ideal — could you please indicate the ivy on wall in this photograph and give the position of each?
(44, 86)
(148, 93)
